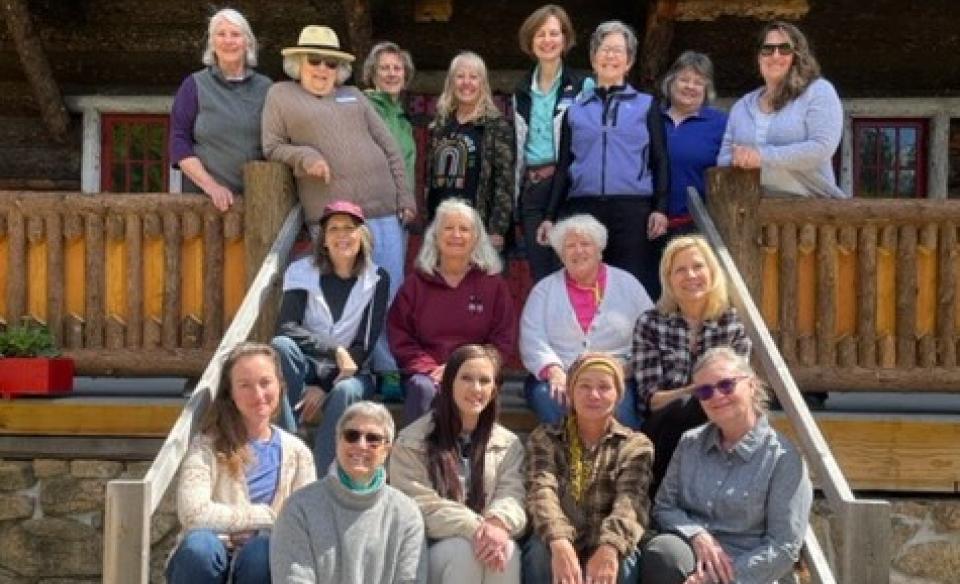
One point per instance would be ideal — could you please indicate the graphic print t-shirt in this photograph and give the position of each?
(456, 165)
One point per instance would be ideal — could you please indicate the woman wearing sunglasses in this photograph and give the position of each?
(464, 470)
(337, 144)
(351, 527)
(692, 316)
(735, 502)
(790, 127)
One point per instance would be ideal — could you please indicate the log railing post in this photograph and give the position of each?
(126, 537)
(733, 198)
(269, 194)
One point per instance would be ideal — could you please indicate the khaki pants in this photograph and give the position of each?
(452, 562)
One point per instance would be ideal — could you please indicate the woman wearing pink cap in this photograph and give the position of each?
(331, 315)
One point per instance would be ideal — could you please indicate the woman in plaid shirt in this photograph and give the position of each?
(587, 482)
(692, 316)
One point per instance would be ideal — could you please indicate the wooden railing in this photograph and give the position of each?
(864, 556)
(130, 504)
(858, 294)
(132, 284)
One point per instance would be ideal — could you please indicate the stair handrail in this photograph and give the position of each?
(865, 549)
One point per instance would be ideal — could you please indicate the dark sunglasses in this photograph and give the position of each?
(372, 439)
(785, 49)
(724, 386)
(317, 60)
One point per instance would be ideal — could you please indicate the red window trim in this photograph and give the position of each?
(108, 122)
(922, 127)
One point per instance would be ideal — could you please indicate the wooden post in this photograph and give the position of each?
(733, 201)
(865, 557)
(268, 197)
(907, 297)
(657, 39)
(788, 293)
(16, 267)
(36, 67)
(126, 532)
(867, 296)
(359, 27)
(827, 297)
(947, 303)
(55, 295)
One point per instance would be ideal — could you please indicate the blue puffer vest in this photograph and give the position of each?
(610, 145)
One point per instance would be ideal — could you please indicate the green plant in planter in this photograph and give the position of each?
(28, 340)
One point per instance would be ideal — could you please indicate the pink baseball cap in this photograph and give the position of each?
(342, 207)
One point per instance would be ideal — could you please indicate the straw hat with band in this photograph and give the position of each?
(601, 361)
(314, 40)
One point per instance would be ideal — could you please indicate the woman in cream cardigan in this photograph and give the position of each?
(237, 475)
(465, 472)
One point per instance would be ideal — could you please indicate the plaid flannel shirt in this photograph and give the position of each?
(661, 347)
(615, 508)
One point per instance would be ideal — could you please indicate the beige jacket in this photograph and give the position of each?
(208, 497)
(443, 518)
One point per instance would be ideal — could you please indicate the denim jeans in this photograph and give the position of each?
(549, 411)
(390, 253)
(420, 390)
(202, 558)
(536, 564)
(298, 371)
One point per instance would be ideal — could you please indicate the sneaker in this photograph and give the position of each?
(390, 387)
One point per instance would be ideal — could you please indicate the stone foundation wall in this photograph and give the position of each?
(51, 520)
(51, 526)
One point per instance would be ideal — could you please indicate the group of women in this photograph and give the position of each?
(596, 172)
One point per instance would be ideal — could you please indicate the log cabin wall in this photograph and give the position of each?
(859, 294)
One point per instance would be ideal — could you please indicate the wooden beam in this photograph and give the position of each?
(36, 67)
(143, 417)
(657, 39)
(359, 30)
(16, 447)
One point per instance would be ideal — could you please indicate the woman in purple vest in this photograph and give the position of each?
(215, 119)
(612, 161)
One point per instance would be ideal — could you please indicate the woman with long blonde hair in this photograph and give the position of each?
(471, 150)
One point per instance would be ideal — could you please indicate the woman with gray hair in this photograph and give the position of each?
(694, 132)
(351, 527)
(585, 306)
(612, 161)
(454, 297)
(337, 145)
(215, 118)
(735, 502)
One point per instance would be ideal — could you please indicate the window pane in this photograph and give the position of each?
(136, 178)
(908, 147)
(889, 144)
(119, 142)
(157, 142)
(867, 141)
(887, 183)
(137, 142)
(119, 177)
(908, 183)
(155, 178)
(868, 182)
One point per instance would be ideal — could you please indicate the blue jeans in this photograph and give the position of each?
(202, 558)
(536, 564)
(299, 371)
(419, 390)
(549, 411)
(390, 253)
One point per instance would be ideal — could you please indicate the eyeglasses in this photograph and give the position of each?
(785, 49)
(724, 386)
(372, 439)
(317, 60)
(613, 50)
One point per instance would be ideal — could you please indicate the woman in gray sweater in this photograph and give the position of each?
(351, 527)
(790, 127)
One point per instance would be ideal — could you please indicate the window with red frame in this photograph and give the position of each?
(134, 153)
(889, 158)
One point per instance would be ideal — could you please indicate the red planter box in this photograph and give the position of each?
(35, 376)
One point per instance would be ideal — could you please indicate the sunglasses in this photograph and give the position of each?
(785, 49)
(724, 386)
(317, 60)
(372, 439)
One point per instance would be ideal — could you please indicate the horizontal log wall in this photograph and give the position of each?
(128, 284)
(860, 294)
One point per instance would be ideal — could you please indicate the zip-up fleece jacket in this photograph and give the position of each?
(612, 144)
